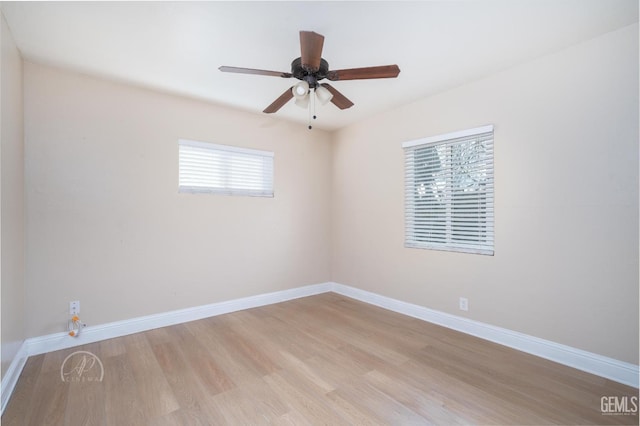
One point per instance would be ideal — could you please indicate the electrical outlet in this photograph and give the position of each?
(464, 304)
(74, 307)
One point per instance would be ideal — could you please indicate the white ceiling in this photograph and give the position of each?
(178, 46)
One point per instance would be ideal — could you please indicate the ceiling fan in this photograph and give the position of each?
(310, 68)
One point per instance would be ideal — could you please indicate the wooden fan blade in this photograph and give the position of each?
(338, 99)
(254, 71)
(383, 71)
(311, 50)
(279, 103)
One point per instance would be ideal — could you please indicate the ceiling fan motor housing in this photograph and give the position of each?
(310, 76)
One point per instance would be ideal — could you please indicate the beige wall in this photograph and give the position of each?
(107, 226)
(566, 200)
(11, 198)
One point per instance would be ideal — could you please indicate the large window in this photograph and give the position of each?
(449, 192)
(222, 169)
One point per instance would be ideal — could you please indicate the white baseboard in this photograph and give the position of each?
(10, 377)
(619, 371)
(610, 368)
(90, 334)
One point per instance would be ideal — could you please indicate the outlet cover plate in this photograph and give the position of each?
(464, 304)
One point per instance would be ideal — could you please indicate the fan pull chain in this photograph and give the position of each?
(313, 105)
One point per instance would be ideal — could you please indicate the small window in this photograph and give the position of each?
(449, 192)
(222, 169)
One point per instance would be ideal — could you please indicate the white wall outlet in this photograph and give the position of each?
(74, 307)
(464, 304)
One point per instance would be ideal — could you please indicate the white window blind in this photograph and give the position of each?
(222, 169)
(449, 192)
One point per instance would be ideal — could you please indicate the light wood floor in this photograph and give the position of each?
(324, 359)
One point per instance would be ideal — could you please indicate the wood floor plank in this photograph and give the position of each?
(324, 359)
(89, 396)
(244, 347)
(184, 417)
(157, 398)
(184, 384)
(303, 400)
(337, 366)
(233, 366)
(292, 418)
(19, 407)
(208, 370)
(295, 341)
(253, 403)
(353, 415)
(371, 344)
(51, 395)
(465, 399)
(378, 405)
(53, 360)
(111, 347)
(413, 398)
(468, 367)
(122, 402)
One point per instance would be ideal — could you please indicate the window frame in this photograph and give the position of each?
(452, 231)
(228, 173)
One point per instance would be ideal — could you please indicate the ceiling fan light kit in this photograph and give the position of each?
(301, 89)
(310, 68)
(323, 95)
